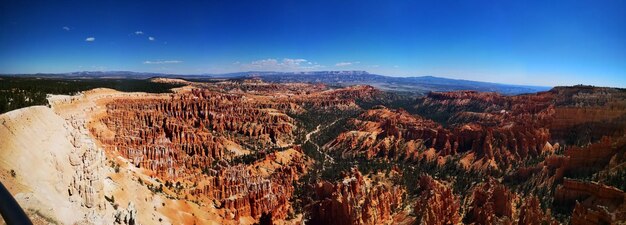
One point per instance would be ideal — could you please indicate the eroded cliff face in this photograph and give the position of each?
(492, 203)
(222, 152)
(393, 134)
(236, 152)
(265, 187)
(35, 165)
(531, 213)
(531, 141)
(355, 200)
(593, 203)
(497, 130)
(175, 136)
(63, 177)
(437, 204)
(398, 135)
(226, 145)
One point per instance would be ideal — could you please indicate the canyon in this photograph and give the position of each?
(247, 151)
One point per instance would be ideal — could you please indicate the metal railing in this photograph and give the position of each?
(11, 212)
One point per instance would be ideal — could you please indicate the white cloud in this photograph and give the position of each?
(265, 62)
(285, 64)
(347, 63)
(90, 39)
(151, 38)
(162, 62)
(66, 28)
(138, 32)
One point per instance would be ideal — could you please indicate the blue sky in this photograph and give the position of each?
(520, 42)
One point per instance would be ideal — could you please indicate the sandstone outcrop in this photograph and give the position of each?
(231, 152)
(497, 130)
(530, 213)
(398, 135)
(492, 203)
(88, 162)
(382, 132)
(355, 201)
(246, 191)
(229, 144)
(496, 127)
(593, 203)
(595, 156)
(436, 204)
(127, 216)
(35, 145)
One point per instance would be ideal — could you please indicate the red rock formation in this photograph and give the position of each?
(594, 203)
(492, 203)
(531, 213)
(585, 114)
(201, 136)
(354, 201)
(436, 204)
(594, 156)
(499, 130)
(387, 133)
(243, 192)
(197, 138)
(395, 134)
(544, 175)
(191, 129)
(337, 99)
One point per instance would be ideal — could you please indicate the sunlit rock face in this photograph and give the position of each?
(497, 129)
(536, 140)
(229, 144)
(355, 200)
(437, 204)
(246, 151)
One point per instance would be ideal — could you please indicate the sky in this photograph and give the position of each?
(543, 42)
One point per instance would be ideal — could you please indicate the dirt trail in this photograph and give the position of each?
(317, 147)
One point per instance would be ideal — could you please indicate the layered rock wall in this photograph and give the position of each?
(355, 201)
(593, 203)
(436, 204)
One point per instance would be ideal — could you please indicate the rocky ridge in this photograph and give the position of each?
(355, 200)
(236, 152)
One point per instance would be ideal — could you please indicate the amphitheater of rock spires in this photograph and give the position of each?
(251, 152)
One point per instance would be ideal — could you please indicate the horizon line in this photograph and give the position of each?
(278, 72)
(304, 73)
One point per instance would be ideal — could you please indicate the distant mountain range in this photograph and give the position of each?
(421, 84)
(415, 85)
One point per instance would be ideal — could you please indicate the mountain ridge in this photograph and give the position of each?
(408, 84)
